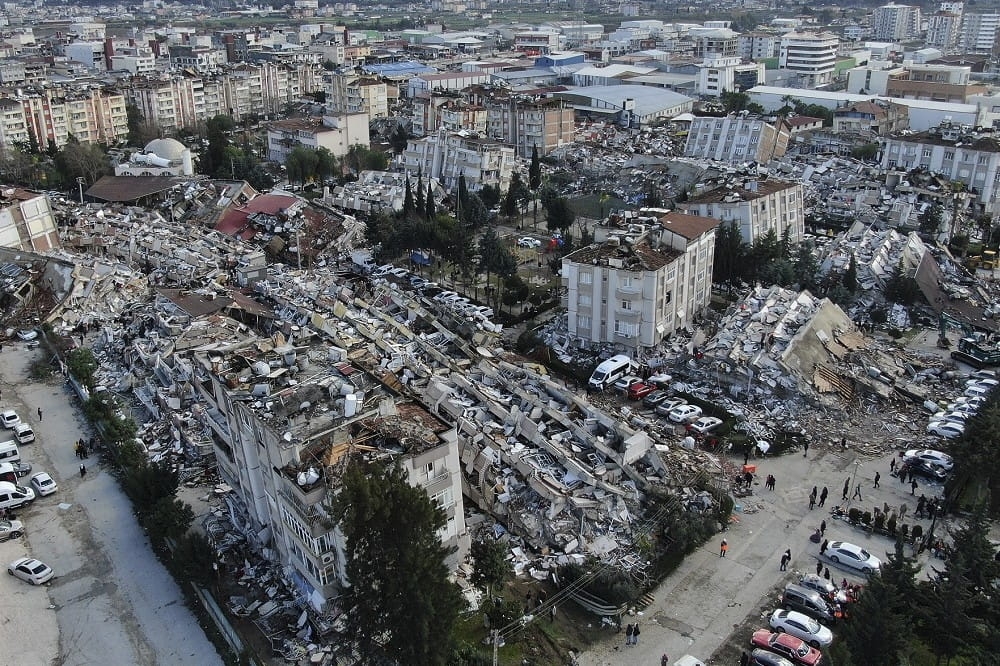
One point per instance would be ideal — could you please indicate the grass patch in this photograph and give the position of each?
(590, 205)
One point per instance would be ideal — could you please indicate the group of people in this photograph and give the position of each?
(82, 450)
(632, 634)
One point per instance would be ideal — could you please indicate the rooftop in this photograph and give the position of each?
(639, 256)
(743, 190)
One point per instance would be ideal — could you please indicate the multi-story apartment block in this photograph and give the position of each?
(895, 23)
(537, 41)
(12, 73)
(714, 41)
(335, 133)
(944, 30)
(90, 54)
(281, 443)
(979, 33)
(348, 93)
(641, 282)
(956, 152)
(717, 75)
(201, 59)
(13, 124)
(755, 206)
(735, 138)
(446, 156)
(134, 59)
(55, 114)
(526, 122)
(757, 45)
(872, 117)
(453, 81)
(812, 55)
(459, 115)
(940, 83)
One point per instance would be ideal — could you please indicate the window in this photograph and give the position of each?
(584, 300)
(667, 297)
(983, 159)
(949, 154)
(626, 305)
(627, 281)
(927, 152)
(586, 278)
(583, 321)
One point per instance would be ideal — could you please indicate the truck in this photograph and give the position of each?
(970, 351)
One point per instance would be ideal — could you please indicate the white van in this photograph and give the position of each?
(13, 495)
(610, 371)
(9, 452)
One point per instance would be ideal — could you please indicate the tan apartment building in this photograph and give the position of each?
(755, 206)
(335, 133)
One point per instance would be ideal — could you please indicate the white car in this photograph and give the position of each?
(528, 241)
(684, 413)
(855, 557)
(43, 484)
(977, 392)
(946, 429)
(11, 529)
(985, 382)
(705, 424)
(27, 334)
(802, 627)
(23, 433)
(626, 381)
(962, 408)
(951, 417)
(9, 418)
(939, 458)
(31, 570)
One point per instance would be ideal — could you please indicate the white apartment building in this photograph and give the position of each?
(735, 138)
(894, 22)
(335, 133)
(641, 283)
(90, 54)
(445, 156)
(136, 60)
(348, 93)
(537, 40)
(979, 32)
(757, 45)
(717, 75)
(26, 221)
(956, 152)
(713, 41)
(812, 55)
(282, 455)
(944, 30)
(755, 206)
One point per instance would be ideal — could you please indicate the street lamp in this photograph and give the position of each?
(854, 482)
(80, 181)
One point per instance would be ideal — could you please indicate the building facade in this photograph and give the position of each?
(717, 75)
(26, 221)
(980, 32)
(335, 133)
(873, 117)
(356, 94)
(944, 30)
(756, 207)
(735, 138)
(895, 23)
(813, 56)
(448, 155)
(526, 122)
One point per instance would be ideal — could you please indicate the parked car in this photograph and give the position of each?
(668, 405)
(11, 529)
(43, 484)
(808, 602)
(22, 468)
(31, 570)
(855, 557)
(705, 424)
(950, 417)
(640, 390)
(794, 649)
(928, 470)
(801, 626)
(945, 429)
(528, 241)
(656, 398)
(9, 418)
(986, 382)
(684, 413)
(27, 334)
(23, 433)
(977, 392)
(962, 408)
(761, 657)
(826, 589)
(939, 458)
(625, 383)
(660, 379)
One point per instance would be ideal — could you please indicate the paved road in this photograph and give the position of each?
(111, 602)
(699, 605)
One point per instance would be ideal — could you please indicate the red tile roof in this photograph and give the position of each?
(234, 221)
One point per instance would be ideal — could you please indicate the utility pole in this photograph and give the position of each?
(496, 647)
(79, 182)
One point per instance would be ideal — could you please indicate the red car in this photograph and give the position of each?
(640, 390)
(790, 647)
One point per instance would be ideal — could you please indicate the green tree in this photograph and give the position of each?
(192, 557)
(169, 518)
(489, 564)
(399, 138)
(805, 266)
(559, 216)
(326, 164)
(900, 287)
(419, 193)
(865, 152)
(535, 170)
(516, 193)
(490, 194)
(400, 601)
(475, 212)
(217, 129)
(429, 210)
(82, 365)
(930, 219)
(148, 483)
(407, 199)
(81, 160)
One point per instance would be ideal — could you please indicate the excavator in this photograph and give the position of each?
(971, 349)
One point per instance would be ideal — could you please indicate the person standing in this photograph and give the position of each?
(823, 546)
(635, 634)
(819, 567)
(39, 414)
(826, 573)
(628, 634)
(877, 477)
(857, 492)
(892, 465)
(805, 448)
(723, 548)
(784, 560)
(83, 470)
(744, 659)
(822, 496)
(847, 487)
(664, 660)
(822, 527)
(812, 501)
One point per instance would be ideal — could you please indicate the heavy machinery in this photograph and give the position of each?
(972, 346)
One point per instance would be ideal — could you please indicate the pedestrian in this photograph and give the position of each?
(784, 562)
(628, 634)
(723, 548)
(805, 448)
(822, 496)
(892, 465)
(843, 443)
(635, 634)
(826, 573)
(857, 491)
(824, 546)
(902, 473)
(744, 659)
(932, 509)
(773, 481)
(913, 486)
(902, 510)
(83, 470)
(819, 568)
(746, 455)
(39, 414)
(847, 487)
(877, 477)
(664, 660)
(822, 527)
(921, 505)
(812, 501)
